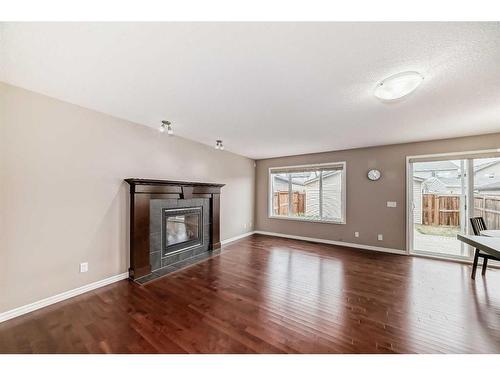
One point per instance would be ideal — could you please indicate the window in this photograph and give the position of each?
(309, 193)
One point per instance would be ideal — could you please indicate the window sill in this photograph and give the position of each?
(307, 220)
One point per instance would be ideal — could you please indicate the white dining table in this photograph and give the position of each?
(490, 245)
(490, 233)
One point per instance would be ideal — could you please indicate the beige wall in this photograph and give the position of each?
(62, 196)
(367, 210)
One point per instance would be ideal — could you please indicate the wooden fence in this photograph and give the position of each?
(441, 210)
(445, 209)
(488, 206)
(280, 203)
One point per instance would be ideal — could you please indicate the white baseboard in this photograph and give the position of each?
(237, 237)
(331, 242)
(59, 297)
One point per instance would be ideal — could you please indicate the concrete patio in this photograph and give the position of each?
(436, 244)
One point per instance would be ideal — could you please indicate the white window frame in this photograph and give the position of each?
(336, 165)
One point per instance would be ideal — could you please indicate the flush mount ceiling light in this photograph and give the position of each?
(166, 125)
(398, 85)
(219, 145)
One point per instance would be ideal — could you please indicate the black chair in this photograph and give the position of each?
(477, 226)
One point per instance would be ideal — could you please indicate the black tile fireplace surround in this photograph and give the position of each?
(172, 224)
(164, 252)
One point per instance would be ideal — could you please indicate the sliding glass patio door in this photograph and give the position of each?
(443, 193)
(486, 193)
(438, 207)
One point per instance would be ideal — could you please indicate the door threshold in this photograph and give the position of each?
(439, 257)
(456, 260)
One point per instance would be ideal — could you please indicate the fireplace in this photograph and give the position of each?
(181, 229)
(172, 224)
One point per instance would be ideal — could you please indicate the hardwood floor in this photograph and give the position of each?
(273, 295)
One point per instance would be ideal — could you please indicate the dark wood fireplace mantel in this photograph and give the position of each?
(142, 191)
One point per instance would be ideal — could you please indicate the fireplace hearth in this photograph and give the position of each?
(172, 224)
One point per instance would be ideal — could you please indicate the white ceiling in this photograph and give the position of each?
(267, 89)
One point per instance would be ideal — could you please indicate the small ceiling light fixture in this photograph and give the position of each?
(398, 85)
(166, 125)
(219, 145)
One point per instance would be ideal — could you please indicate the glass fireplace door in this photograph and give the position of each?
(182, 229)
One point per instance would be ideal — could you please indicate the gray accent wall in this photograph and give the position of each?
(367, 211)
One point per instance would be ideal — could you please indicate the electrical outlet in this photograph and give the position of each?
(356, 234)
(392, 204)
(84, 267)
(380, 237)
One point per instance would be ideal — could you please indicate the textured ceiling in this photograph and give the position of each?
(267, 89)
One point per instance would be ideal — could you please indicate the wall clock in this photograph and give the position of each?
(374, 174)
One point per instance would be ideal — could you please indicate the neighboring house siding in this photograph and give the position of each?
(487, 175)
(299, 188)
(489, 192)
(312, 199)
(281, 185)
(454, 191)
(417, 201)
(332, 197)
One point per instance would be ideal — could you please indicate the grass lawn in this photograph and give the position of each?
(437, 230)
